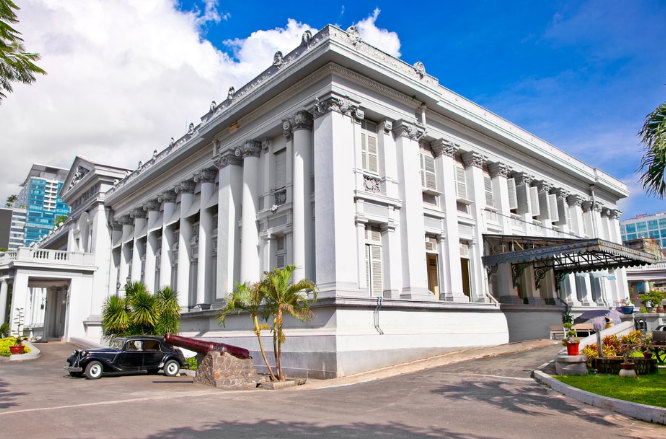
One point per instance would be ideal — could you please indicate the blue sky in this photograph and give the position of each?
(581, 75)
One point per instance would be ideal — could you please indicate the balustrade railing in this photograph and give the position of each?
(25, 254)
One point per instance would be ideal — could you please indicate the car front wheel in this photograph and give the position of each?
(94, 370)
(171, 368)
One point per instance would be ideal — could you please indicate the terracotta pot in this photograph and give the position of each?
(572, 348)
(647, 355)
(16, 349)
(627, 370)
(660, 309)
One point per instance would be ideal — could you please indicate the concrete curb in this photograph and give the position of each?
(643, 412)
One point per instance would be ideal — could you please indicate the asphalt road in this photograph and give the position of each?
(486, 398)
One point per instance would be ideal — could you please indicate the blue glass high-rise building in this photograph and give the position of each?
(41, 201)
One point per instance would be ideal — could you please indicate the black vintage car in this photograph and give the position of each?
(130, 355)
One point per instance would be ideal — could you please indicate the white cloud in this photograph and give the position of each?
(123, 77)
(380, 38)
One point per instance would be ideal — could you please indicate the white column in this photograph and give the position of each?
(621, 282)
(474, 174)
(19, 297)
(229, 196)
(186, 192)
(576, 214)
(3, 300)
(249, 236)
(302, 192)
(206, 178)
(412, 229)
(152, 208)
(452, 287)
(336, 261)
(137, 249)
(168, 200)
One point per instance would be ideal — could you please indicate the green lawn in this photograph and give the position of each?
(645, 389)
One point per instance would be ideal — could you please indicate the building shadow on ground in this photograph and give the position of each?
(271, 429)
(522, 399)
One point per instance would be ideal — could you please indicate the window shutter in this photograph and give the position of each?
(373, 156)
(544, 206)
(364, 151)
(523, 195)
(461, 184)
(376, 254)
(534, 200)
(554, 211)
(280, 169)
(279, 261)
(488, 186)
(513, 202)
(428, 176)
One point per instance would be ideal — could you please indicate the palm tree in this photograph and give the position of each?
(15, 63)
(653, 135)
(168, 312)
(115, 316)
(284, 298)
(247, 297)
(144, 308)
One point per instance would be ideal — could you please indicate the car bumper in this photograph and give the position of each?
(73, 369)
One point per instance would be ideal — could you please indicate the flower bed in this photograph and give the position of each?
(612, 365)
(5, 343)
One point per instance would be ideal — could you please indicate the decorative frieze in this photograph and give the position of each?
(185, 187)
(302, 121)
(372, 184)
(265, 144)
(496, 169)
(444, 147)
(473, 158)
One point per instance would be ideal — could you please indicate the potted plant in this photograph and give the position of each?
(18, 347)
(627, 307)
(627, 366)
(570, 339)
(646, 346)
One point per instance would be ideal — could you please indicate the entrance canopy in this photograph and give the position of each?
(562, 255)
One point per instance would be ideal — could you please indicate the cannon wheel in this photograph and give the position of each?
(660, 353)
(171, 368)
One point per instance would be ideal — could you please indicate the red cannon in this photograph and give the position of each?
(203, 347)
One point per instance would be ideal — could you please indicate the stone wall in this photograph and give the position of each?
(225, 371)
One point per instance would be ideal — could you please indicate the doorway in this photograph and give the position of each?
(433, 276)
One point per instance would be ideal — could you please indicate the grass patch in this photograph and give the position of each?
(645, 389)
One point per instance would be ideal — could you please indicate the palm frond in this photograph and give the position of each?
(653, 163)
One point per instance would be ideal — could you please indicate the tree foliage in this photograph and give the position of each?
(140, 312)
(15, 63)
(653, 163)
(272, 298)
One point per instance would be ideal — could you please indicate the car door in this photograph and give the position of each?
(152, 355)
(131, 357)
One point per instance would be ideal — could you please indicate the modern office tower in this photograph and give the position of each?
(645, 226)
(17, 228)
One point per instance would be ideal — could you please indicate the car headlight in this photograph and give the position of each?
(83, 354)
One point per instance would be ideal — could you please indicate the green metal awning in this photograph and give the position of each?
(562, 255)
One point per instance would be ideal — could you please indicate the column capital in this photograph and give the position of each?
(137, 213)
(302, 121)
(615, 213)
(185, 187)
(167, 197)
(387, 126)
(153, 204)
(586, 205)
(498, 169)
(124, 220)
(327, 104)
(543, 186)
(473, 158)
(523, 178)
(266, 144)
(597, 207)
(605, 211)
(575, 200)
(560, 193)
(444, 147)
(409, 130)
(205, 176)
(287, 127)
(250, 148)
(226, 158)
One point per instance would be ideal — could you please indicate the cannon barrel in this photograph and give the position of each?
(203, 347)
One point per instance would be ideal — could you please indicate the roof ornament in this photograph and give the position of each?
(190, 128)
(231, 93)
(213, 104)
(354, 35)
(419, 68)
(278, 60)
(171, 141)
(306, 38)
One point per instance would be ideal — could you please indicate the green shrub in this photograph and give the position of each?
(5, 343)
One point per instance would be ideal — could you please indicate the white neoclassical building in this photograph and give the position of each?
(426, 221)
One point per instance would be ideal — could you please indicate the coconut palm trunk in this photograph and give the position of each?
(257, 330)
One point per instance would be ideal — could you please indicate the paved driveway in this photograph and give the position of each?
(487, 398)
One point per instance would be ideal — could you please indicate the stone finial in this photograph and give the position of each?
(419, 68)
(278, 59)
(354, 35)
(231, 93)
(213, 105)
(306, 38)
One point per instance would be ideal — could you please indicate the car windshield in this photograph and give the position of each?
(117, 343)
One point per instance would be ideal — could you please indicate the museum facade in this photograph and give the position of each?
(426, 221)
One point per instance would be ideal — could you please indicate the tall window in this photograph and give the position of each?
(373, 260)
(429, 178)
(369, 147)
(280, 251)
(488, 187)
